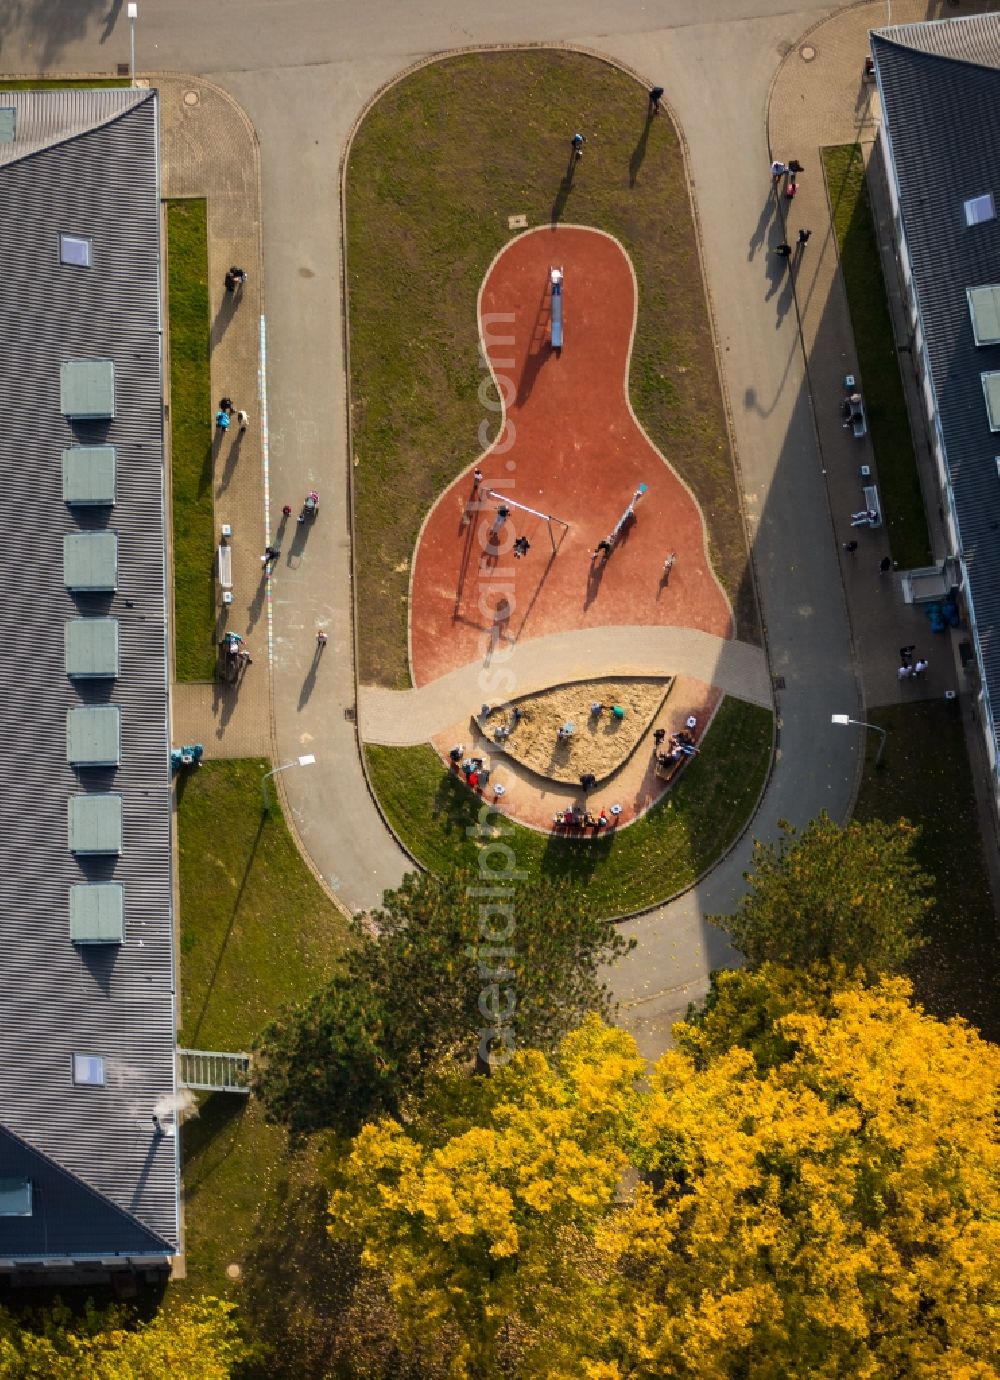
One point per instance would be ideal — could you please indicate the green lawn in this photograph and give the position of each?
(885, 403)
(435, 170)
(257, 932)
(928, 780)
(191, 440)
(645, 863)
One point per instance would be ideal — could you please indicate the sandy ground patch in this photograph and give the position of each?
(599, 743)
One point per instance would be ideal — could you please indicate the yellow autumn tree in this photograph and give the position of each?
(197, 1340)
(823, 1204)
(481, 1217)
(834, 1214)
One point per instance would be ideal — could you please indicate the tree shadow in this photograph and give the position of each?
(49, 26)
(317, 1314)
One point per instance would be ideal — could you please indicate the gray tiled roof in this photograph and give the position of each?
(56, 998)
(68, 1218)
(60, 115)
(941, 114)
(970, 39)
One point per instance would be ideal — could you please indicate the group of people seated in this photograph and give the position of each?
(576, 818)
(679, 746)
(475, 769)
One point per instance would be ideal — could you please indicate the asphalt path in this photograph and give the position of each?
(304, 70)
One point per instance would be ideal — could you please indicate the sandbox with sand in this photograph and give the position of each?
(599, 743)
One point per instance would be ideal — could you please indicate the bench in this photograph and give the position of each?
(225, 562)
(556, 280)
(873, 504)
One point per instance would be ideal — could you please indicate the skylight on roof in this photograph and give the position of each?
(979, 209)
(75, 249)
(984, 312)
(88, 1069)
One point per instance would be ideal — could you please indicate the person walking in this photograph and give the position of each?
(235, 278)
(885, 564)
(919, 667)
(803, 238)
(850, 547)
(226, 405)
(577, 142)
(270, 556)
(477, 479)
(904, 672)
(778, 170)
(286, 511)
(521, 547)
(655, 97)
(222, 419)
(243, 418)
(321, 643)
(906, 653)
(794, 167)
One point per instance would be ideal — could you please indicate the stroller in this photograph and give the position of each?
(310, 507)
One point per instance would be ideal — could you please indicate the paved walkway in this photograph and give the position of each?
(303, 85)
(819, 99)
(401, 717)
(208, 149)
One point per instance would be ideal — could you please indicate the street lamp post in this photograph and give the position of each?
(133, 13)
(305, 761)
(860, 723)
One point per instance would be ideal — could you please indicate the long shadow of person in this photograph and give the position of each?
(760, 231)
(309, 684)
(639, 152)
(565, 187)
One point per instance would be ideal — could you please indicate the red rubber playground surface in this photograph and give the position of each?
(571, 448)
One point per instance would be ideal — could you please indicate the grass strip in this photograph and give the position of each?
(878, 360)
(435, 170)
(664, 851)
(73, 83)
(257, 933)
(927, 778)
(191, 439)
